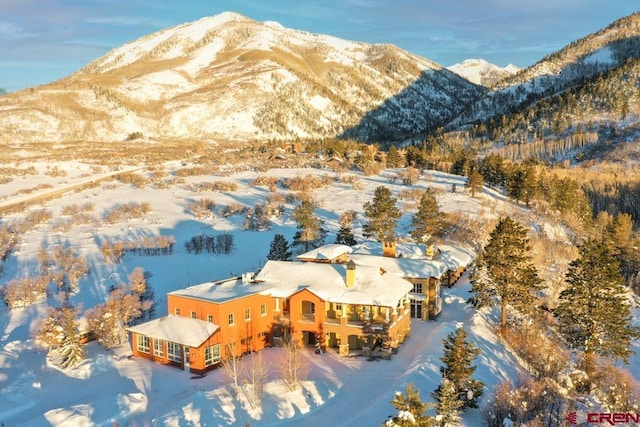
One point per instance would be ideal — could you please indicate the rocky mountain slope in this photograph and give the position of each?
(570, 67)
(232, 78)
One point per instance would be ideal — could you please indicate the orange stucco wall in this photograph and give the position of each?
(251, 334)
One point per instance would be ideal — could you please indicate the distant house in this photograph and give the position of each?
(331, 298)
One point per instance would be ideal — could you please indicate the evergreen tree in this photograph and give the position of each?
(458, 357)
(474, 182)
(594, 313)
(428, 221)
(394, 158)
(310, 232)
(71, 349)
(279, 249)
(345, 236)
(522, 184)
(448, 403)
(491, 167)
(411, 409)
(624, 244)
(382, 213)
(504, 272)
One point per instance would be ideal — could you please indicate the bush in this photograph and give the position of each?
(127, 211)
(113, 252)
(527, 402)
(202, 209)
(233, 209)
(135, 135)
(25, 291)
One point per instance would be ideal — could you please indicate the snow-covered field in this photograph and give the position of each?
(109, 387)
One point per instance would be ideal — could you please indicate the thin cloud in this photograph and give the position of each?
(10, 31)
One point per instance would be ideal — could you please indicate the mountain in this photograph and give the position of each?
(481, 72)
(574, 65)
(232, 78)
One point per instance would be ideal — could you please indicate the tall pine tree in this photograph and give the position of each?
(504, 272)
(428, 221)
(279, 249)
(71, 348)
(310, 232)
(474, 182)
(594, 313)
(382, 213)
(394, 158)
(458, 368)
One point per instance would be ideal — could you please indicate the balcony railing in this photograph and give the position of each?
(308, 317)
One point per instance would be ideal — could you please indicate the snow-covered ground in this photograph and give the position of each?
(109, 387)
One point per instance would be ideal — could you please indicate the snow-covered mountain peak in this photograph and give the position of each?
(481, 72)
(233, 78)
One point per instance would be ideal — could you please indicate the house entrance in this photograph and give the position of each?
(416, 309)
(308, 338)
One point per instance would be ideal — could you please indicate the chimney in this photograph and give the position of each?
(389, 247)
(351, 274)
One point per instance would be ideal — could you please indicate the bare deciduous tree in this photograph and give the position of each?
(232, 366)
(293, 365)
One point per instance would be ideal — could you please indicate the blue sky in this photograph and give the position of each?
(44, 40)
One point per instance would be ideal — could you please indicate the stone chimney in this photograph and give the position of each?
(351, 274)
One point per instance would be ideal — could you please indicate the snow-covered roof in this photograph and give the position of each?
(178, 329)
(327, 281)
(404, 267)
(411, 260)
(455, 256)
(330, 251)
(222, 290)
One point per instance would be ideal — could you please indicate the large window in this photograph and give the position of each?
(143, 343)
(212, 355)
(158, 348)
(173, 352)
(231, 319)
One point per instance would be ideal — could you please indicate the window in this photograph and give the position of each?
(247, 314)
(158, 348)
(212, 355)
(338, 307)
(177, 311)
(210, 318)
(417, 288)
(173, 352)
(231, 319)
(263, 309)
(193, 314)
(143, 343)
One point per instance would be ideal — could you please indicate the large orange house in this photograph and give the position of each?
(334, 304)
